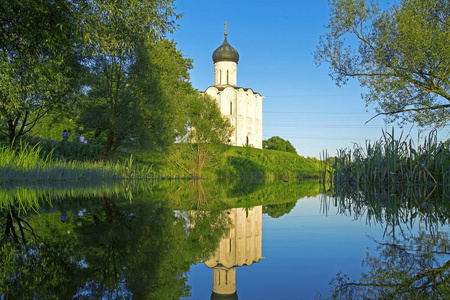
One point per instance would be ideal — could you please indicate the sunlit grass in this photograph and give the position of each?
(26, 164)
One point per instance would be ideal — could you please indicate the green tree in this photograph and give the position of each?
(207, 126)
(127, 95)
(277, 143)
(399, 54)
(38, 61)
(161, 81)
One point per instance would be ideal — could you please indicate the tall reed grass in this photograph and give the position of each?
(26, 164)
(394, 161)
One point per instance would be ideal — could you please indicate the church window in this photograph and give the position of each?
(231, 108)
(228, 76)
(220, 77)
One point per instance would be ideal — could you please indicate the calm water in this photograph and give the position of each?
(210, 239)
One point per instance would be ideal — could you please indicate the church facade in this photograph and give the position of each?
(242, 106)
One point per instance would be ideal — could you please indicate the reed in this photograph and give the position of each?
(27, 164)
(394, 161)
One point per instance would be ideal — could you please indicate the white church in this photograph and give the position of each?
(242, 106)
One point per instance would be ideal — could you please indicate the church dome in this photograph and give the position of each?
(215, 296)
(225, 53)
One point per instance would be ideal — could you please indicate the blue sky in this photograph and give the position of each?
(276, 42)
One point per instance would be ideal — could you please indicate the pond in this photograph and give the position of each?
(222, 240)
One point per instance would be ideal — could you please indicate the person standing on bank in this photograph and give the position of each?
(65, 135)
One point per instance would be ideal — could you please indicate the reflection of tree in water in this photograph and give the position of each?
(417, 268)
(409, 267)
(117, 250)
(279, 210)
(36, 265)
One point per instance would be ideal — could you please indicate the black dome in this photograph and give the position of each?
(215, 296)
(225, 53)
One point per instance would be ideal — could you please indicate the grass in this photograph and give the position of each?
(58, 161)
(394, 161)
(27, 164)
(226, 161)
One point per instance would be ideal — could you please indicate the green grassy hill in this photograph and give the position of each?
(224, 161)
(181, 160)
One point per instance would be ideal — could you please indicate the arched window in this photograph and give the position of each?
(231, 107)
(228, 77)
(220, 77)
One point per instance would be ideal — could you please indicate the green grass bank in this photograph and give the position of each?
(48, 160)
(224, 161)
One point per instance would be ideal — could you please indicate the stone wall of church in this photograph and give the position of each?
(249, 109)
(244, 110)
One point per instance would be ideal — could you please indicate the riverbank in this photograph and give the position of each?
(64, 161)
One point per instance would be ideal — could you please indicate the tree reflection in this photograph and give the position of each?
(115, 250)
(417, 268)
(407, 266)
(279, 210)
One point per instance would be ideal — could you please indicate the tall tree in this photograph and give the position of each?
(399, 54)
(38, 61)
(118, 57)
(146, 101)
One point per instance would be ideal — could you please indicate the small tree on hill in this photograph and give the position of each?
(207, 126)
(277, 143)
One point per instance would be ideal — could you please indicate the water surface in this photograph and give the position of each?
(207, 239)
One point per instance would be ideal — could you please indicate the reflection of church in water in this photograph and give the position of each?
(241, 246)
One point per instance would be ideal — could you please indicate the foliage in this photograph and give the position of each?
(55, 55)
(206, 121)
(38, 61)
(145, 101)
(118, 51)
(160, 80)
(277, 143)
(400, 55)
(207, 127)
(52, 125)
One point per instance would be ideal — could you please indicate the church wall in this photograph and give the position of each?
(244, 113)
(227, 105)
